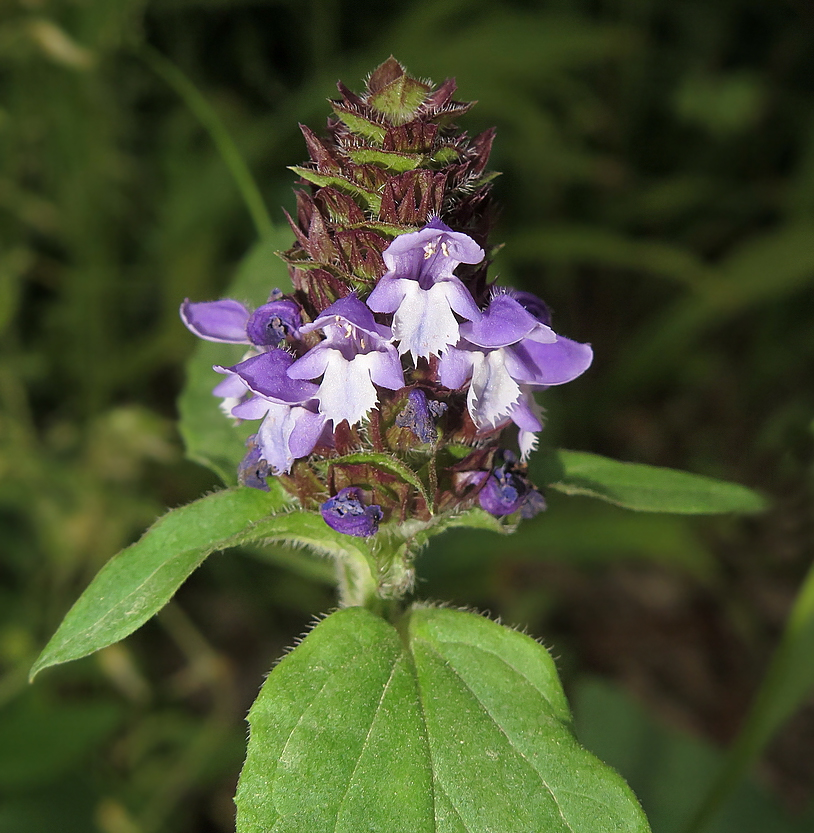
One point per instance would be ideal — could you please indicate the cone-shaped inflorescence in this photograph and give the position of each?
(385, 383)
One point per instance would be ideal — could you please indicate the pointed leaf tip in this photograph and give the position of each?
(135, 584)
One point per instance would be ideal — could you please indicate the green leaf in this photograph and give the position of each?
(306, 529)
(645, 488)
(135, 584)
(451, 723)
(210, 437)
(445, 155)
(357, 569)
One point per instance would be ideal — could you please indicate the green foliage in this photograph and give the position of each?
(646, 488)
(446, 722)
(388, 159)
(399, 99)
(658, 173)
(134, 585)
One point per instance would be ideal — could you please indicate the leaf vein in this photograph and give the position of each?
(452, 804)
(505, 662)
(366, 741)
(503, 732)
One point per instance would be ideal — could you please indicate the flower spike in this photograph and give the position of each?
(384, 383)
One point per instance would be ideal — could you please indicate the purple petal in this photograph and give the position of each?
(460, 299)
(527, 416)
(455, 368)
(222, 321)
(288, 432)
(387, 295)
(548, 364)
(307, 432)
(254, 408)
(503, 494)
(430, 253)
(232, 387)
(311, 365)
(504, 322)
(437, 223)
(347, 513)
(523, 414)
(537, 307)
(508, 490)
(253, 470)
(352, 310)
(385, 368)
(266, 374)
(417, 415)
(272, 322)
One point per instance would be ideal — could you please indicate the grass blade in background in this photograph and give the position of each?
(787, 683)
(669, 769)
(227, 149)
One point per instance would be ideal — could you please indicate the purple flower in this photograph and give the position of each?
(253, 470)
(506, 490)
(230, 322)
(421, 290)
(347, 513)
(506, 354)
(273, 322)
(355, 356)
(292, 425)
(419, 415)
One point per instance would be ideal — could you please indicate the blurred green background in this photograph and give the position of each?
(657, 187)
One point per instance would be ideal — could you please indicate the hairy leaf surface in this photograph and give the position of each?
(452, 724)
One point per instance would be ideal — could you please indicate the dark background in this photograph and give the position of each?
(657, 188)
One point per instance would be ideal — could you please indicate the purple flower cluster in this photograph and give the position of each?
(304, 380)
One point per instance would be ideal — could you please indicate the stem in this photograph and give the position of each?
(358, 586)
(213, 124)
(375, 580)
